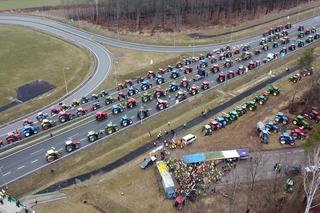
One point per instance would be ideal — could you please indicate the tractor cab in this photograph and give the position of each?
(159, 92)
(111, 128)
(241, 110)
(145, 85)
(306, 72)
(309, 39)
(221, 122)
(187, 61)
(263, 41)
(84, 100)
(125, 121)
(103, 93)
(300, 43)
(205, 85)
(251, 65)
(234, 115)
(241, 70)
(162, 71)
(275, 44)
(128, 83)
(230, 74)
(227, 118)
(175, 73)
(265, 47)
(187, 69)
(185, 82)
(94, 96)
(52, 154)
(131, 102)
(215, 68)
(46, 124)
(283, 51)
(143, 113)
(314, 115)
(41, 116)
(132, 91)
(292, 47)
(54, 111)
(260, 99)
(227, 63)
(100, 116)
(273, 90)
(313, 30)
(295, 78)
(81, 111)
(65, 116)
(151, 74)
(284, 40)
(95, 106)
(285, 138)
(63, 106)
(204, 63)
(307, 32)
(251, 106)
(27, 122)
(146, 97)
(169, 68)
(206, 129)
(181, 95)
(316, 36)
(301, 28)
(236, 50)
(162, 104)
(173, 86)
(221, 77)
(120, 86)
(92, 136)
(246, 47)
(121, 96)
(246, 56)
(13, 137)
(281, 118)
(193, 90)
(109, 99)
(118, 108)
(297, 134)
(179, 202)
(75, 102)
(272, 127)
(179, 64)
(71, 145)
(160, 79)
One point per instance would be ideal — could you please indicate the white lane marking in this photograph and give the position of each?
(20, 167)
(74, 135)
(36, 151)
(34, 161)
(82, 139)
(6, 173)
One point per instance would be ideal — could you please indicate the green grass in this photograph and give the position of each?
(27, 55)
(20, 4)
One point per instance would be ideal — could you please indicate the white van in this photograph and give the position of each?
(188, 139)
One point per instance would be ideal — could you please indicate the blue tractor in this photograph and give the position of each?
(264, 136)
(145, 85)
(132, 91)
(272, 127)
(286, 138)
(281, 118)
(117, 108)
(202, 72)
(175, 73)
(41, 116)
(29, 130)
(173, 86)
(125, 121)
(204, 63)
(160, 79)
(221, 122)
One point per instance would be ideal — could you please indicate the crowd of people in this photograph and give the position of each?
(195, 179)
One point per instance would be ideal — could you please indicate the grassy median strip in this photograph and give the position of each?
(27, 55)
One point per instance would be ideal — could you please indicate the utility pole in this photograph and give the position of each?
(65, 80)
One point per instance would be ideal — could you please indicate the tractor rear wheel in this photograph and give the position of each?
(294, 122)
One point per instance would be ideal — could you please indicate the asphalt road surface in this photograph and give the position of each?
(32, 158)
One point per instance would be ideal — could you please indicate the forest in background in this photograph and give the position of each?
(166, 15)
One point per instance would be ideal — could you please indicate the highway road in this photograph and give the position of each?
(30, 159)
(18, 125)
(103, 57)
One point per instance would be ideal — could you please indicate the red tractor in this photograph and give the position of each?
(13, 137)
(297, 133)
(100, 116)
(314, 115)
(228, 54)
(237, 50)
(251, 65)
(163, 71)
(187, 69)
(230, 74)
(120, 86)
(214, 124)
(185, 82)
(159, 92)
(131, 102)
(128, 83)
(121, 96)
(81, 111)
(193, 90)
(205, 85)
(215, 68)
(151, 74)
(27, 122)
(54, 111)
(221, 77)
(162, 104)
(65, 116)
(179, 64)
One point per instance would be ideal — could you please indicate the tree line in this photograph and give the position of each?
(172, 14)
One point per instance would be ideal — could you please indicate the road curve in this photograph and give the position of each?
(103, 64)
(135, 46)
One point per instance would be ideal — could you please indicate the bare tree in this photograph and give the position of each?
(311, 179)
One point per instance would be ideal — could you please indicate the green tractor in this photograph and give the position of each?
(234, 115)
(93, 136)
(109, 100)
(227, 118)
(301, 122)
(251, 106)
(273, 90)
(241, 110)
(111, 128)
(260, 99)
(146, 97)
